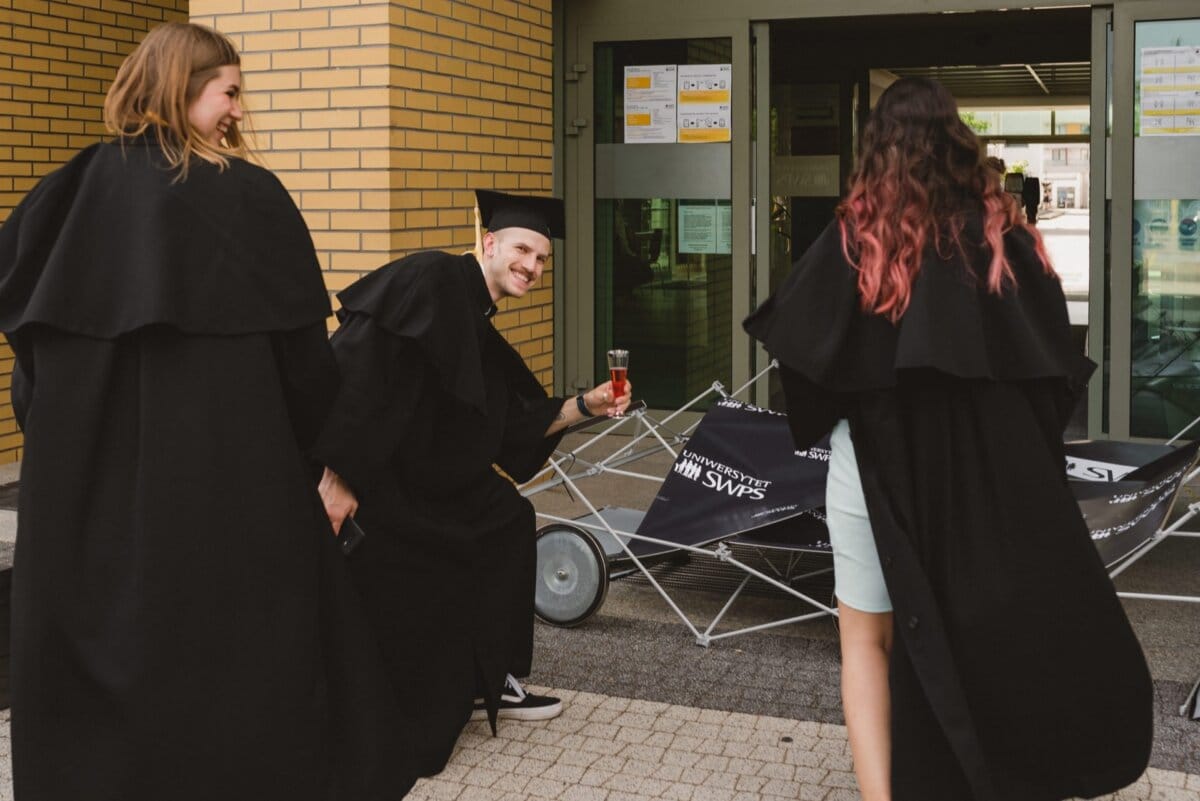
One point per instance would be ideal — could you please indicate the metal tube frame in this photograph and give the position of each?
(562, 465)
(564, 476)
(625, 454)
(1173, 530)
(1182, 431)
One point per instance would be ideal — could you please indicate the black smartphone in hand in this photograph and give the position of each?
(351, 536)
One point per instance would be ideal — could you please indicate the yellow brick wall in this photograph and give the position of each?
(57, 60)
(382, 117)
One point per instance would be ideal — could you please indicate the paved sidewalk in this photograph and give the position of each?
(6, 792)
(606, 748)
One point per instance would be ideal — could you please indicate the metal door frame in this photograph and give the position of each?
(579, 158)
(1126, 15)
(1100, 190)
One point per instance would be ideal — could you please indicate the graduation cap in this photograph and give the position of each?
(542, 214)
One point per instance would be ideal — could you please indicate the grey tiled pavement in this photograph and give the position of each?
(6, 793)
(608, 748)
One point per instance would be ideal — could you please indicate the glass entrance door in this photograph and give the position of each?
(1155, 382)
(1024, 91)
(663, 219)
(657, 190)
(807, 116)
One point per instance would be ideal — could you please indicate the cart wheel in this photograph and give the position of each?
(572, 575)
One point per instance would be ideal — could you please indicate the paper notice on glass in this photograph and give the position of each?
(705, 91)
(697, 228)
(724, 228)
(1170, 91)
(650, 104)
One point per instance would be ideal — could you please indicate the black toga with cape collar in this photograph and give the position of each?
(432, 400)
(183, 624)
(1015, 675)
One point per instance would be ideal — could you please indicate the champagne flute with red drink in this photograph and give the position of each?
(618, 370)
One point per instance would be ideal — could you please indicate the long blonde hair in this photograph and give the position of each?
(158, 82)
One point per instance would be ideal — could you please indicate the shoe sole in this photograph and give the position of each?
(539, 713)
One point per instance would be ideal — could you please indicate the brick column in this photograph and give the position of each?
(381, 117)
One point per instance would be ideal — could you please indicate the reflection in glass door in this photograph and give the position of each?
(806, 129)
(663, 231)
(809, 160)
(1165, 260)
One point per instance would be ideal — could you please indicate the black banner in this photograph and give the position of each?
(1123, 515)
(740, 476)
(740, 472)
(1105, 460)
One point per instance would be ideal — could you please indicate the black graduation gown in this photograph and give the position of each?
(432, 397)
(183, 625)
(1015, 675)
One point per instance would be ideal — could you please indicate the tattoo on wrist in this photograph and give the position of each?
(561, 416)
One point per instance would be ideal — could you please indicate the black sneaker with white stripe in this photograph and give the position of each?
(517, 704)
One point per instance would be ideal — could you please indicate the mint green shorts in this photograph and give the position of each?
(858, 578)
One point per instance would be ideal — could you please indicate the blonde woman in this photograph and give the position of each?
(181, 626)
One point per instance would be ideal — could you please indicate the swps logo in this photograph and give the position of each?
(720, 477)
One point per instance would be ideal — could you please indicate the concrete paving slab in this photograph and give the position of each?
(699, 755)
(745, 758)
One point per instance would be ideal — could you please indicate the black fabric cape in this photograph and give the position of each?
(183, 625)
(432, 398)
(1015, 675)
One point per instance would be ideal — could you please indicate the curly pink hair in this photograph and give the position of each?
(921, 173)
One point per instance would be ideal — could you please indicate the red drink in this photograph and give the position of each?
(618, 381)
(618, 367)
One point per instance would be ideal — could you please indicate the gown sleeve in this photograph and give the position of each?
(812, 410)
(309, 377)
(525, 446)
(382, 378)
(21, 389)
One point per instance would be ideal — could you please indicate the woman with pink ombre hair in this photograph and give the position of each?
(979, 629)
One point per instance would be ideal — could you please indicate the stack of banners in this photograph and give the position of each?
(1126, 490)
(740, 476)
(740, 472)
(1105, 460)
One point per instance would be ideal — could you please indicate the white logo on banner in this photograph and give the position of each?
(1092, 470)
(816, 454)
(731, 403)
(720, 477)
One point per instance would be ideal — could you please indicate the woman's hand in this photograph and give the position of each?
(338, 498)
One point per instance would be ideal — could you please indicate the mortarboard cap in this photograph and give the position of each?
(542, 214)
